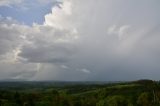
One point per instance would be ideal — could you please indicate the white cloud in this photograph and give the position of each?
(46, 1)
(120, 31)
(9, 2)
(59, 15)
(85, 71)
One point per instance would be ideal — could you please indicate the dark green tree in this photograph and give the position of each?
(143, 99)
(116, 100)
(17, 98)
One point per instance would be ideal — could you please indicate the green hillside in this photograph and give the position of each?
(136, 93)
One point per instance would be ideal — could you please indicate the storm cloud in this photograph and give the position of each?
(85, 40)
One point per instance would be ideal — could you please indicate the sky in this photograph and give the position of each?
(79, 40)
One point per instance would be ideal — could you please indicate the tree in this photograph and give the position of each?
(143, 99)
(17, 98)
(102, 103)
(116, 100)
(56, 98)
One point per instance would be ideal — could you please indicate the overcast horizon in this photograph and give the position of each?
(79, 40)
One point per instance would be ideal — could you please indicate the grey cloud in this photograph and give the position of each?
(11, 40)
(52, 54)
(17, 70)
(9, 35)
(23, 75)
(49, 45)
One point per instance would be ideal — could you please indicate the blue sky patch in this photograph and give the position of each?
(28, 12)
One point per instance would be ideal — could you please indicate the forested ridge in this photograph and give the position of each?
(135, 93)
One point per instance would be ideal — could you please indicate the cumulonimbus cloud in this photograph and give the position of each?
(88, 40)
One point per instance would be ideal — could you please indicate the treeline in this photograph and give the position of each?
(137, 93)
